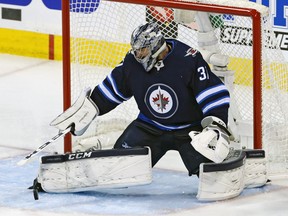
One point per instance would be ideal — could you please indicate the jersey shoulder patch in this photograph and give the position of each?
(191, 52)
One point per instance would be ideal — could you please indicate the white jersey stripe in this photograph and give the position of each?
(111, 80)
(210, 92)
(108, 94)
(221, 101)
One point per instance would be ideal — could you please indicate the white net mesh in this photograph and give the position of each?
(100, 36)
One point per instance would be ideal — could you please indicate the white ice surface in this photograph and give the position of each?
(31, 96)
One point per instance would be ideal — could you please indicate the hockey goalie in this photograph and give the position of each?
(183, 106)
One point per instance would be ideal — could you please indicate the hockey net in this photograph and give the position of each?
(98, 37)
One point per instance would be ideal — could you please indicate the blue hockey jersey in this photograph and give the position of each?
(177, 93)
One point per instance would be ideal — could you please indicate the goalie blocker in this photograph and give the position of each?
(94, 170)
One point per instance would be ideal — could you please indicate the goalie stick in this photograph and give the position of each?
(39, 149)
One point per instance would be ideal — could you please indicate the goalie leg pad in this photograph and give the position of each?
(88, 171)
(220, 181)
(255, 168)
(241, 169)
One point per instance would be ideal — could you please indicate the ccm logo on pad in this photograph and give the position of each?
(80, 155)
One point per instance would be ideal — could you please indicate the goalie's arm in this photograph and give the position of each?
(112, 91)
(210, 92)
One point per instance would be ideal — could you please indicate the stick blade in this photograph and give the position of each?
(22, 162)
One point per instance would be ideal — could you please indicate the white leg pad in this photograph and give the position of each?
(242, 169)
(255, 169)
(223, 180)
(88, 171)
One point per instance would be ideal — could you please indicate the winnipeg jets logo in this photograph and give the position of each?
(159, 65)
(191, 51)
(161, 100)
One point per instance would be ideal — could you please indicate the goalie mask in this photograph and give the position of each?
(147, 43)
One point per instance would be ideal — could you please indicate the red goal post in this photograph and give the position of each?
(235, 8)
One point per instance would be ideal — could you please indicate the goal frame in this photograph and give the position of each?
(256, 49)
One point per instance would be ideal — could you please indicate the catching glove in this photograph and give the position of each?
(213, 141)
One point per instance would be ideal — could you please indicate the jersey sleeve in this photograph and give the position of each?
(211, 94)
(112, 91)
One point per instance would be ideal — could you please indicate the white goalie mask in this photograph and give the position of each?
(147, 43)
